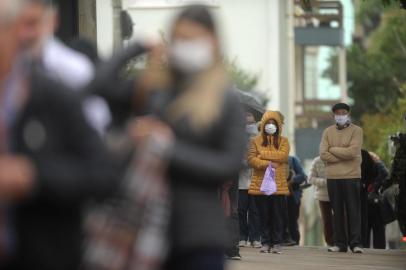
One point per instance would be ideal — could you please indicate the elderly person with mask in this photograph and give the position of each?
(340, 149)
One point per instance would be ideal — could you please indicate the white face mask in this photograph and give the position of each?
(270, 129)
(251, 129)
(191, 56)
(342, 120)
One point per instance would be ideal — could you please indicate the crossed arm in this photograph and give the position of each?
(333, 154)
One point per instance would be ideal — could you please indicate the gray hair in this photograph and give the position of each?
(9, 10)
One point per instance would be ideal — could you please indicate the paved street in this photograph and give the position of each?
(315, 258)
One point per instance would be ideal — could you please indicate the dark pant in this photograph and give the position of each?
(327, 216)
(293, 212)
(232, 221)
(376, 227)
(248, 217)
(364, 217)
(271, 210)
(196, 260)
(345, 200)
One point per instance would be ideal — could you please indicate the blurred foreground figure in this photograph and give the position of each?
(208, 125)
(51, 161)
(39, 21)
(191, 99)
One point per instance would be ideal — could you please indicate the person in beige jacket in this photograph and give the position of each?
(340, 149)
(317, 178)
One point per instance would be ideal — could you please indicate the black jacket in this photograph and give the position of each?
(72, 167)
(200, 163)
(369, 170)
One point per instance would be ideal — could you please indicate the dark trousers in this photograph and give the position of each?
(364, 217)
(327, 217)
(376, 228)
(271, 210)
(248, 217)
(232, 221)
(293, 212)
(345, 200)
(196, 260)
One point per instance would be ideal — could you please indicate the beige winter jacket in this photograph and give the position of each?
(341, 150)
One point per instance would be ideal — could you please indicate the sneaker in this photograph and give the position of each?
(357, 250)
(242, 243)
(265, 249)
(234, 257)
(336, 249)
(256, 244)
(289, 243)
(277, 249)
(248, 244)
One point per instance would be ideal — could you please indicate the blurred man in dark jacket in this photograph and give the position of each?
(51, 161)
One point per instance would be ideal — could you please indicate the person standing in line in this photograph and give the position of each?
(376, 225)
(368, 174)
(317, 177)
(297, 176)
(247, 209)
(270, 147)
(340, 149)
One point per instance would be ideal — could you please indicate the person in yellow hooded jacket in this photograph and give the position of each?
(270, 147)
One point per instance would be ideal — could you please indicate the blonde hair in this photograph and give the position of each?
(201, 103)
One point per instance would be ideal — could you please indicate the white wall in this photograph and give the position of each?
(254, 32)
(104, 11)
(250, 32)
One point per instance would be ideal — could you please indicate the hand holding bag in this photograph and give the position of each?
(268, 186)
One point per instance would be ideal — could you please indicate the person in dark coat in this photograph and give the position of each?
(206, 120)
(297, 176)
(71, 168)
(368, 176)
(51, 162)
(376, 226)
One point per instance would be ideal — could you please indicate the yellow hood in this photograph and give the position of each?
(275, 115)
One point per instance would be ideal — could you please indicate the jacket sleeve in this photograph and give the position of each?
(314, 177)
(219, 163)
(253, 158)
(278, 156)
(353, 150)
(300, 176)
(79, 167)
(120, 94)
(325, 155)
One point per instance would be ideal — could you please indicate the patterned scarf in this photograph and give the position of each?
(131, 232)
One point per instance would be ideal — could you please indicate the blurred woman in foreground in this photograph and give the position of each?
(207, 126)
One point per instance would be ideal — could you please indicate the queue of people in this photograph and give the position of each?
(348, 183)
